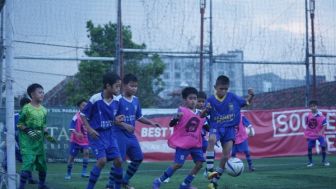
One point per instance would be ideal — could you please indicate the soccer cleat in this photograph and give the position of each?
(126, 186)
(205, 173)
(310, 165)
(326, 164)
(212, 175)
(43, 187)
(32, 181)
(156, 184)
(187, 187)
(109, 187)
(167, 180)
(212, 185)
(67, 177)
(251, 168)
(85, 175)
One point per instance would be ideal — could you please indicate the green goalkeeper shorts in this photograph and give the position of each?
(29, 161)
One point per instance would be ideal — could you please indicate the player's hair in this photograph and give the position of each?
(313, 102)
(188, 91)
(24, 101)
(129, 78)
(80, 102)
(31, 88)
(201, 94)
(222, 80)
(110, 78)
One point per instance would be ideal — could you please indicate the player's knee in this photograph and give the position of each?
(177, 166)
(117, 162)
(101, 162)
(199, 165)
(212, 140)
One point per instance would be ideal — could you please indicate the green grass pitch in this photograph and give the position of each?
(271, 173)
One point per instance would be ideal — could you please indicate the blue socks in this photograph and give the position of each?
(23, 179)
(42, 178)
(85, 164)
(168, 173)
(94, 175)
(187, 181)
(131, 170)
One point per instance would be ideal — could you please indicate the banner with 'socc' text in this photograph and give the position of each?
(279, 132)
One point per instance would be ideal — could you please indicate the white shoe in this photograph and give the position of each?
(326, 163)
(67, 177)
(205, 174)
(167, 180)
(310, 165)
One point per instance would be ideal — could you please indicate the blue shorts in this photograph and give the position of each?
(105, 146)
(129, 146)
(204, 145)
(242, 147)
(76, 148)
(312, 142)
(226, 134)
(182, 154)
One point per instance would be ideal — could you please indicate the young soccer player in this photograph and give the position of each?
(18, 156)
(78, 141)
(241, 142)
(208, 145)
(224, 110)
(32, 132)
(201, 99)
(315, 127)
(186, 139)
(128, 144)
(200, 105)
(99, 116)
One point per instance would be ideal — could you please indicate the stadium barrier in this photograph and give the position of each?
(279, 132)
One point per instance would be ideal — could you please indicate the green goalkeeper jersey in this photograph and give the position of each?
(33, 118)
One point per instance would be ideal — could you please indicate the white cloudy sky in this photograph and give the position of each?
(265, 30)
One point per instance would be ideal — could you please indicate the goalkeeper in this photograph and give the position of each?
(32, 132)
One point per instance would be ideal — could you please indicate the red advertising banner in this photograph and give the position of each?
(279, 132)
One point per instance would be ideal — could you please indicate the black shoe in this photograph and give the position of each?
(43, 187)
(32, 181)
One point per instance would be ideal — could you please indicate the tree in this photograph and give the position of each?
(89, 78)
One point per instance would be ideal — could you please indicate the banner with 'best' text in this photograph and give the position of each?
(279, 132)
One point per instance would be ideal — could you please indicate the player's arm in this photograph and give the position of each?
(48, 137)
(119, 121)
(21, 125)
(324, 124)
(205, 112)
(248, 125)
(46, 134)
(206, 126)
(94, 134)
(149, 122)
(85, 115)
(176, 118)
(72, 127)
(250, 96)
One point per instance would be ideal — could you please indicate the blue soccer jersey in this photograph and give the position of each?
(101, 114)
(131, 109)
(225, 112)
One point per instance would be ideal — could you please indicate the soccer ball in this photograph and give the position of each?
(234, 167)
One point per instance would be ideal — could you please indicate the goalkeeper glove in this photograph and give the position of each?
(32, 134)
(50, 138)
